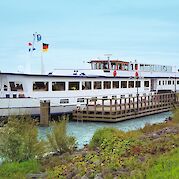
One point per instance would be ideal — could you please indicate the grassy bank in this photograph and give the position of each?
(150, 152)
(16, 170)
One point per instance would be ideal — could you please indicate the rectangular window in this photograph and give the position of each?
(115, 84)
(81, 100)
(146, 83)
(173, 82)
(15, 86)
(114, 97)
(5, 87)
(40, 86)
(105, 97)
(73, 85)
(14, 95)
(122, 96)
(159, 82)
(12, 86)
(64, 101)
(169, 82)
(86, 85)
(131, 84)
(58, 86)
(138, 84)
(97, 84)
(141, 67)
(177, 82)
(93, 99)
(7, 95)
(107, 85)
(163, 82)
(123, 84)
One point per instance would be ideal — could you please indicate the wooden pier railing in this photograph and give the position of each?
(119, 109)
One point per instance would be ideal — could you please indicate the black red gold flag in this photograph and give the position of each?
(45, 47)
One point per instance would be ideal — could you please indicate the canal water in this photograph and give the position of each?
(83, 131)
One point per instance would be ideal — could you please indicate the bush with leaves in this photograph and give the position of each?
(101, 135)
(19, 140)
(16, 170)
(58, 139)
(176, 115)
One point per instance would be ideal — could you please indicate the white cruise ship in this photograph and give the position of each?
(65, 89)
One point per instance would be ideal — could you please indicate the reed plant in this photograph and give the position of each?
(19, 140)
(58, 139)
(175, 115)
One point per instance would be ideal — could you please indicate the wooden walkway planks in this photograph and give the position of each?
(114, 110)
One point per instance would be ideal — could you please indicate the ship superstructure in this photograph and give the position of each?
(65, 89)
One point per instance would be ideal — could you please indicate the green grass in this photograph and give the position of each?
(165, 167)
(17, 170)
(146, 153)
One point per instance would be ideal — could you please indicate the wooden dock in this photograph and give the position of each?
(119, 109)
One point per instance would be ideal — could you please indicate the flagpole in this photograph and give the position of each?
(42, 64)
(31, 46)
(31, 52)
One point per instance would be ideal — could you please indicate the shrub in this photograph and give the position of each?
(167, 166)
(176, 115)
(148, 128)
(101, 135)
(19, 140)
(18, 170)
(58, 139)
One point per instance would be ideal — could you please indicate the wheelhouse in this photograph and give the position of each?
(109, 65)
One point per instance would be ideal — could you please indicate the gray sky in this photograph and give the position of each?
(78, 30)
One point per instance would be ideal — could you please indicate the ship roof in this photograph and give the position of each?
(115, 61)
(146, 75)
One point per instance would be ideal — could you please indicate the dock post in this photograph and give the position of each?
(102, 106)
(141, 101)
(148, 102)
(129, 102)
(44, 113)
(95, 105)
(115, 101)
(111, 107)
(87, 105)
(125, 106)
(133, 103)
(120, 106)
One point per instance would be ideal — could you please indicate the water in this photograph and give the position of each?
(83, 131)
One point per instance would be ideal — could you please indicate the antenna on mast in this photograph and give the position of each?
(108, 57)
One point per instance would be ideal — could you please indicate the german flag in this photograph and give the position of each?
(45, 47)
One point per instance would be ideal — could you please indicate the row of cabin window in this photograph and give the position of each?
(158, 68)
(87, 85)
(14, 86)
(169, 82)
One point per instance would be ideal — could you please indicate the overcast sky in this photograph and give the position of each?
(78, 30)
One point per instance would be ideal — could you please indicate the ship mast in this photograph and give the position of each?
(108, 57)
